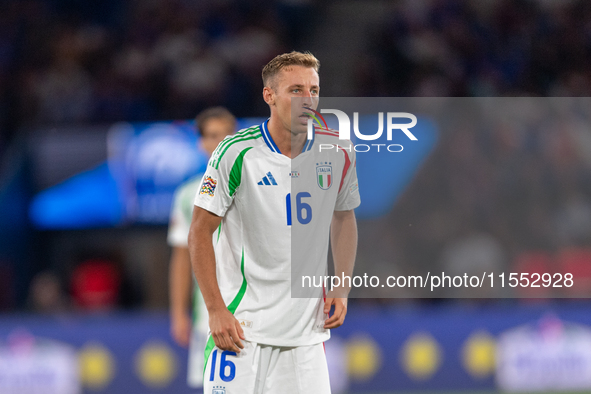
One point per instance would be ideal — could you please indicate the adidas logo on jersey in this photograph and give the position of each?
(268, 180)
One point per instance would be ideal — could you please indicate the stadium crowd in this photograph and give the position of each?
(67, 61)
(458, 48)
(499, 195)
(70, 62)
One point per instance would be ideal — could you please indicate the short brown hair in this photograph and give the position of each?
(213, 112)
(293, 58)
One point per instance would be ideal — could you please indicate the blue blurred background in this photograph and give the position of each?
(96, 131)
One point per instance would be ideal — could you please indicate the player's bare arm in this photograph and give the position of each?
(224, 327)
(343, 239)
(180, 283)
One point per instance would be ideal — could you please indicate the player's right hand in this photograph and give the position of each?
(226, 330)
(180, 329)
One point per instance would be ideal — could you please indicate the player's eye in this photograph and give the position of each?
(295, 90)
(315, 92)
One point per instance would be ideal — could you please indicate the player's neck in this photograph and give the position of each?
(288, 144)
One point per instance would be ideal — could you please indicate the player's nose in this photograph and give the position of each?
(307, 99)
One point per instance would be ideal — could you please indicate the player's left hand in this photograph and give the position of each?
(340, 311)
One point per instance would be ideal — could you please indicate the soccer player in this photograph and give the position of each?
(263, 340)
(213, 125)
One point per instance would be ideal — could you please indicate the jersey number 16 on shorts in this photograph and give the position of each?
(224, 365)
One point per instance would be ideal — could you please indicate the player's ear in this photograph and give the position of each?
(269, 95)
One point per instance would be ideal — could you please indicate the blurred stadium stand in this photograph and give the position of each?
(64, 61)
(70, 71)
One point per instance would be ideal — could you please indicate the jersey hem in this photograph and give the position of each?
(286, 343)
(347, 208)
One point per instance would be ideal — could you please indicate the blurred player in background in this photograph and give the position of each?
(213, 125)
(263, 340)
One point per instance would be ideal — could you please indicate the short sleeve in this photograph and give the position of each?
(348, 197)
(214, 194)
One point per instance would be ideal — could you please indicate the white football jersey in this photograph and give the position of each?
(249, 183)
(182, 212)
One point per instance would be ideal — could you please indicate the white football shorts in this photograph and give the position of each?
(266, 369)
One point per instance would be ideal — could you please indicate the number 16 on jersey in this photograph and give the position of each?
(303, 209)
